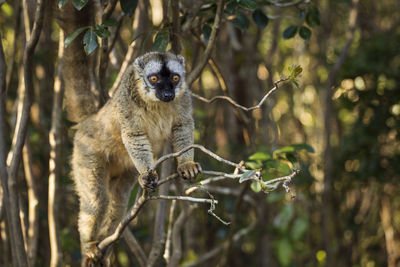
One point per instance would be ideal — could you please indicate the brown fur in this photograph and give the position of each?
(117, 145)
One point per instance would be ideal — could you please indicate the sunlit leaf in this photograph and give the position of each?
(247, 176)
(284, 251)
(90, 41)
(73, 35)
(260, 156)
(260, 18)
(305, 33)
(160, 42)
(129, 6)
(79, 4)
(290, 32)
(255, 186)
(253, 165)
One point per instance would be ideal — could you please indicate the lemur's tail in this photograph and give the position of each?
(80, 101)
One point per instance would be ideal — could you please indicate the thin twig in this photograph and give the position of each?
(167, 251)
(200, 147)
(135, 247)
(235, 104)
(133, 212)
(190, 199)
(55, 162)
(215, 251)
(195, 73)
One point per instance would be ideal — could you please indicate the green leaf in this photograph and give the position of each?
(284, 169)
(291, 157)
(255, 186)
(90, 41)
(248, 4)
(241, 22)
(299, 228)
(290, 32)
(160, 42)
(306, 147)
(129, 6)
(312, 16)
(296, 83)
(253, 165)
(102, 32)
(79, 4)
(260, 156)
(247, 176)
(109, 23)
(206, 32)
(61, 3)
(231, 8)
(73, 35)
(260, 18)
(284, 251)
(305, 33)
(284, 217)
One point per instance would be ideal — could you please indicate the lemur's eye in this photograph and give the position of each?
(153, 78)
(175, 78)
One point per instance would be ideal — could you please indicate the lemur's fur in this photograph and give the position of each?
(117, 144)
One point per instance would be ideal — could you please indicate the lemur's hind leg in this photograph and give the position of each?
(91, 176)
(119, 191)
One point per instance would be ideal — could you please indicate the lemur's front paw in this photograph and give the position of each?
(189, 170)
(148, 181)
(93, 254)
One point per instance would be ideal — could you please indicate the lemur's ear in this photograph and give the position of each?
(181, 59)
(139, 64)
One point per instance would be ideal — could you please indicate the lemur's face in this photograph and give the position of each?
(162, 76)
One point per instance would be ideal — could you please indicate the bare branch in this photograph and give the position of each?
(190, 199)
(133, 212)
(135, 247)
(200, 147)
(231, 101)
(214, 252)
(55, 160)
(167, 251)
(10, 179)
(195, 73)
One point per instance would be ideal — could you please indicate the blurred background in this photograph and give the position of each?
(337, 122)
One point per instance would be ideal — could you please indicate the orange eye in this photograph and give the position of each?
(153, 78)
(175, 78)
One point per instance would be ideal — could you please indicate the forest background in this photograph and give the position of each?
(327, 74)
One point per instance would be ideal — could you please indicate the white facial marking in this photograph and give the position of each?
(153, 66)
(175, 67)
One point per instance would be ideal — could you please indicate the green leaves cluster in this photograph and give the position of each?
(291, 225)
(99, 31)
(279, 163)
(90, 38)
(309, 16)
(294, 72)
(239, 10)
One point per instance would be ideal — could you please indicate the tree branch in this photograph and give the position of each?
(231, 101)
(195, 73)
(135, 247)
(55, 160)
